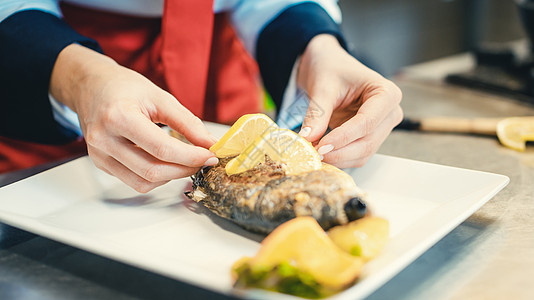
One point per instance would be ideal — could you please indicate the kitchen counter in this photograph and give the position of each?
(489, 256)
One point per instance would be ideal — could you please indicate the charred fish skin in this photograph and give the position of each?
(235, 197)
(264, 197)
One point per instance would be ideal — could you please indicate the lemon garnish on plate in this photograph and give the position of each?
(298, 258)
(515, 132)
(241, 134)
(365, 237)
(284, 146)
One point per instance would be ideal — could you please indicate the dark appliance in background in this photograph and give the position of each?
(500, 69)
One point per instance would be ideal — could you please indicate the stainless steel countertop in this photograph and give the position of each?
(489, 256)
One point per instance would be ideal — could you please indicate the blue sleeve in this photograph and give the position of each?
(285, 38)
(30, 41)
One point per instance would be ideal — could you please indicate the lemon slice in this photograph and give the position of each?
(303, 245)
(515, 132)
(241, 134)
(281, 145)
(364, 237)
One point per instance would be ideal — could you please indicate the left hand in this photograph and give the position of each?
(358, 104)
(118, 110)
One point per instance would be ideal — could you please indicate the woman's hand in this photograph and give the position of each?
(118, 110)
(358, 104)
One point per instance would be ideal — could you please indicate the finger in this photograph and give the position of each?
(147, 166)
(100, 166)
(154, 140)
(371, 114)
(317, 117)
(359, 151)
(172, 113)
(113, 167)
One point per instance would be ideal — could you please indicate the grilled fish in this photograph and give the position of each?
(264, 197)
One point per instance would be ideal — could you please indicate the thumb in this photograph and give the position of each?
(317, 118)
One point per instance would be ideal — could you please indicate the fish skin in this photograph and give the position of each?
(264, 197)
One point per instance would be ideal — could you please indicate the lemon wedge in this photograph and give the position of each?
(364, 237)
(241, 134)
(281, 145)
(299, 258)
(515, 132)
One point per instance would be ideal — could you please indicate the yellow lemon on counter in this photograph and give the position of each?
(515, 132)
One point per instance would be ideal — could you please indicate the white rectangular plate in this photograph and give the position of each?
(166, 233)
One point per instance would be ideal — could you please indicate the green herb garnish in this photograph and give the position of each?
(283, 278)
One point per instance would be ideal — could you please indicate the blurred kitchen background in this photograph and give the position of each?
(391, 34)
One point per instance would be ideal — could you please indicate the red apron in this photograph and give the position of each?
(223, 86)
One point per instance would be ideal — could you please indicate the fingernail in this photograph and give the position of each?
(321, 157)
(305, 131)
(211, 161)
(325, 149)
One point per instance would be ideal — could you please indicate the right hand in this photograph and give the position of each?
(118, 110)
